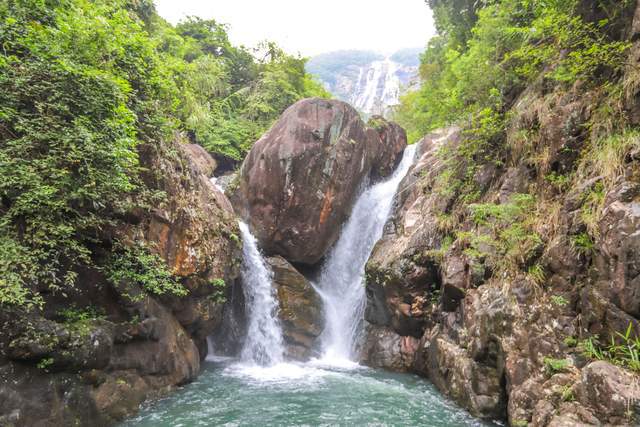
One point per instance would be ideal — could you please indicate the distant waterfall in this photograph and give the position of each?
(341, 280)
(378, 87)
(263, 345)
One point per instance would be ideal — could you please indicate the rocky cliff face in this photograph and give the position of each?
(94, 355)
(508, 342)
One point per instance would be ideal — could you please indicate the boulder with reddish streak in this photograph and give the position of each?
(300, 180)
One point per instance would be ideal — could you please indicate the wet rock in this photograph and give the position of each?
(299, 181)
(195, 232)
(383, 348)
(475, 386)
(400, 271)
(300, 309)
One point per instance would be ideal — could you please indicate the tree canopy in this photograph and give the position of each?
(82, 84)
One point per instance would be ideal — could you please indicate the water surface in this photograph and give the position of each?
(231, 394)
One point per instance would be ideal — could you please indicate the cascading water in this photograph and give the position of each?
(341, 279)
(378, 87)
(264, 390)
(263, 345)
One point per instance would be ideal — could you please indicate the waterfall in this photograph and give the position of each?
(378, 87)
(263, 345)
(341, 281)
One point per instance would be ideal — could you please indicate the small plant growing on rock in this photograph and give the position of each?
(623, 350)
(218, 296)
(559, 300)
(583, 243)
(567, 393)
(537, 274)
(570, 341)
(554, 366)
(45, 363)
(136, 265)
(74, 314)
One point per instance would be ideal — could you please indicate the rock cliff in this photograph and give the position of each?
(97, 352)
(502, 326)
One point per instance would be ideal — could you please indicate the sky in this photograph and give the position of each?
(313, 27)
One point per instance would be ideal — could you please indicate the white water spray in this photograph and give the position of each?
(378, 87)
(264, 344)
(341, 280)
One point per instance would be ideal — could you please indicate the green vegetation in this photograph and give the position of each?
(219, 295)
(73, 314)
(487, 51)
(514, 75)
(559, 300)
(623, 349)
(505, 237)
(82, 84)
(135, 265)
(554, 366)
(45, 363)
(567, 394)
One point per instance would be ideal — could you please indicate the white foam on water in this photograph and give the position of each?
(264, 343)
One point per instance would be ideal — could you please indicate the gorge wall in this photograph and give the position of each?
(508, 273)
(98, 351)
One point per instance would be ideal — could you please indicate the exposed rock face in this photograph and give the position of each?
(299, 181)
(489, 341)
(394, 141)
(200, 158)
(619, 255)
(56, 369)
(384, 348)
(395, 281)
(196, 233)
(300, 309)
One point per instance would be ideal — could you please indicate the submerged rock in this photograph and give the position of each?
(300, 180)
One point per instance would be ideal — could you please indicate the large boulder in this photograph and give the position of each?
(384, 348)
(613, 392)
(394, 141)
(300, 311)
(300, 180)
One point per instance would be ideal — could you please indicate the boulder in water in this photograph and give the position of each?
(300, 180)
(300, 309)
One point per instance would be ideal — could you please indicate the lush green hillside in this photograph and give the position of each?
(486, 53)
(82, 85)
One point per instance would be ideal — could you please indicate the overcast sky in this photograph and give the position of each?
(312, 27)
